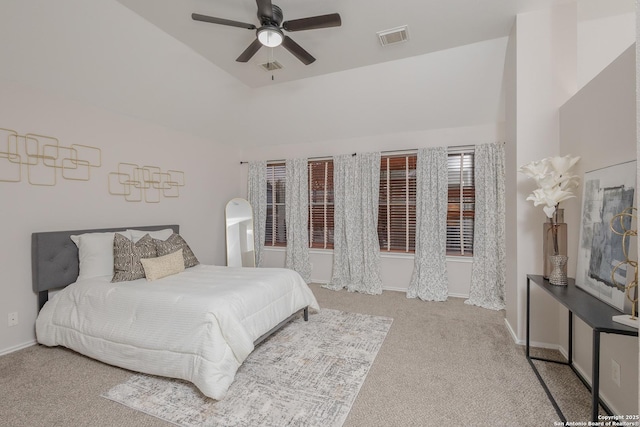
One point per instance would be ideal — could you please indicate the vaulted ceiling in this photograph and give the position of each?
(149, 60)
(433, 25)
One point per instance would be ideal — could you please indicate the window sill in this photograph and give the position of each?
(389, 255)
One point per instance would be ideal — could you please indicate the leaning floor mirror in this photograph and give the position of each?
(239, 223)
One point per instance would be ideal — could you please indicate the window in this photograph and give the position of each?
(321, 204)
(276, 231)
(460, 211)
(397, 203)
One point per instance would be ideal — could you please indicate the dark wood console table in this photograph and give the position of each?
(596, 314)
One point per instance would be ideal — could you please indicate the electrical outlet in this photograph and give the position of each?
(12, 319)
(615, 372)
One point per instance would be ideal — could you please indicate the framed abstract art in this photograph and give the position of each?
(607, 192)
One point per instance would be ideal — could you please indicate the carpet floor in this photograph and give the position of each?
(441, 363)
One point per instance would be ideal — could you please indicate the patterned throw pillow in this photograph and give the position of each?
(126, 257)
(172, 244)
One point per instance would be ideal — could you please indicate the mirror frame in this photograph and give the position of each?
(239, 233)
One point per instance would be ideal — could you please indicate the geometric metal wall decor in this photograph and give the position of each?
(145, 183)
(40, 157)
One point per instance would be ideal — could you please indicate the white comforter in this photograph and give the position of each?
(198, 325)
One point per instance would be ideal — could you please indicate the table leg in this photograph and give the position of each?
(570, 337)
(595, 376)
(528, 310)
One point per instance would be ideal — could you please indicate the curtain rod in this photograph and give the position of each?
(282, 160)
(409, 150)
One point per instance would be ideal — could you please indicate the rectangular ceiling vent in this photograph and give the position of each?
(272, 66)
(394, 35)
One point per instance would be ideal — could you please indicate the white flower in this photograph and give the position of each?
(562, 165)
(536, 170)
(554, 179)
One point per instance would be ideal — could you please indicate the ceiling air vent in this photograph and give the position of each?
(393, 36)
(272, 66)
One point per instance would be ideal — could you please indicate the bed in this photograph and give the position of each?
(198, 325)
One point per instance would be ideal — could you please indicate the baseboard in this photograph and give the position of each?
(404, 290)
(394, 289)
(17, 347)
(537, 344)
(463, 296)
(514, 337)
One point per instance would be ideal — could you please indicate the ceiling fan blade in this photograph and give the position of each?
(297, 51)
(313, 22)
(265, 8)
(213, 20)
(250, 51)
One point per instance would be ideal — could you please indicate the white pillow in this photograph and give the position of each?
(95, 252)
(158, 234)
(163, 266)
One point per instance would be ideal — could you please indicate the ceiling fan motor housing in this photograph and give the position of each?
(275, 19)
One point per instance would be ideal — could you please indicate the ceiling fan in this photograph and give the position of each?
(270, 31)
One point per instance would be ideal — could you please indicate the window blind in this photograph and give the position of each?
(397, 203)
(276, 231)
(321, 204)
(461, 205)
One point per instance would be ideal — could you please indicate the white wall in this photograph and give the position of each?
(545, 79)
(511, 184)
(602, 114)
(457, 87)
(100, 53)
(605, 30)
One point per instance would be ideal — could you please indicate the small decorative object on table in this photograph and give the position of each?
(558, 275)
(554, 241)
(555, 184)
(631, 290)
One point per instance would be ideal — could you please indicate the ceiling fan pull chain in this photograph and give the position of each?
(271, 61)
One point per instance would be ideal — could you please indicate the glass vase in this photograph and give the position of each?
(554, 241)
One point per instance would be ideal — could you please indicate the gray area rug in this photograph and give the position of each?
(307, 374)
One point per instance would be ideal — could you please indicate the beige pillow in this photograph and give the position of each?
(163, 266)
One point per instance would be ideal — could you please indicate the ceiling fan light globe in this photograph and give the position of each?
(270, 36)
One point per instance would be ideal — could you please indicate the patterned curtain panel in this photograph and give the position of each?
(297, 217)
(429, 280)
(258, 199)
(488, 274)
(356, 252)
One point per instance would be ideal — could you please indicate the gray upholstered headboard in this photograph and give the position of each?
(54, 258)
